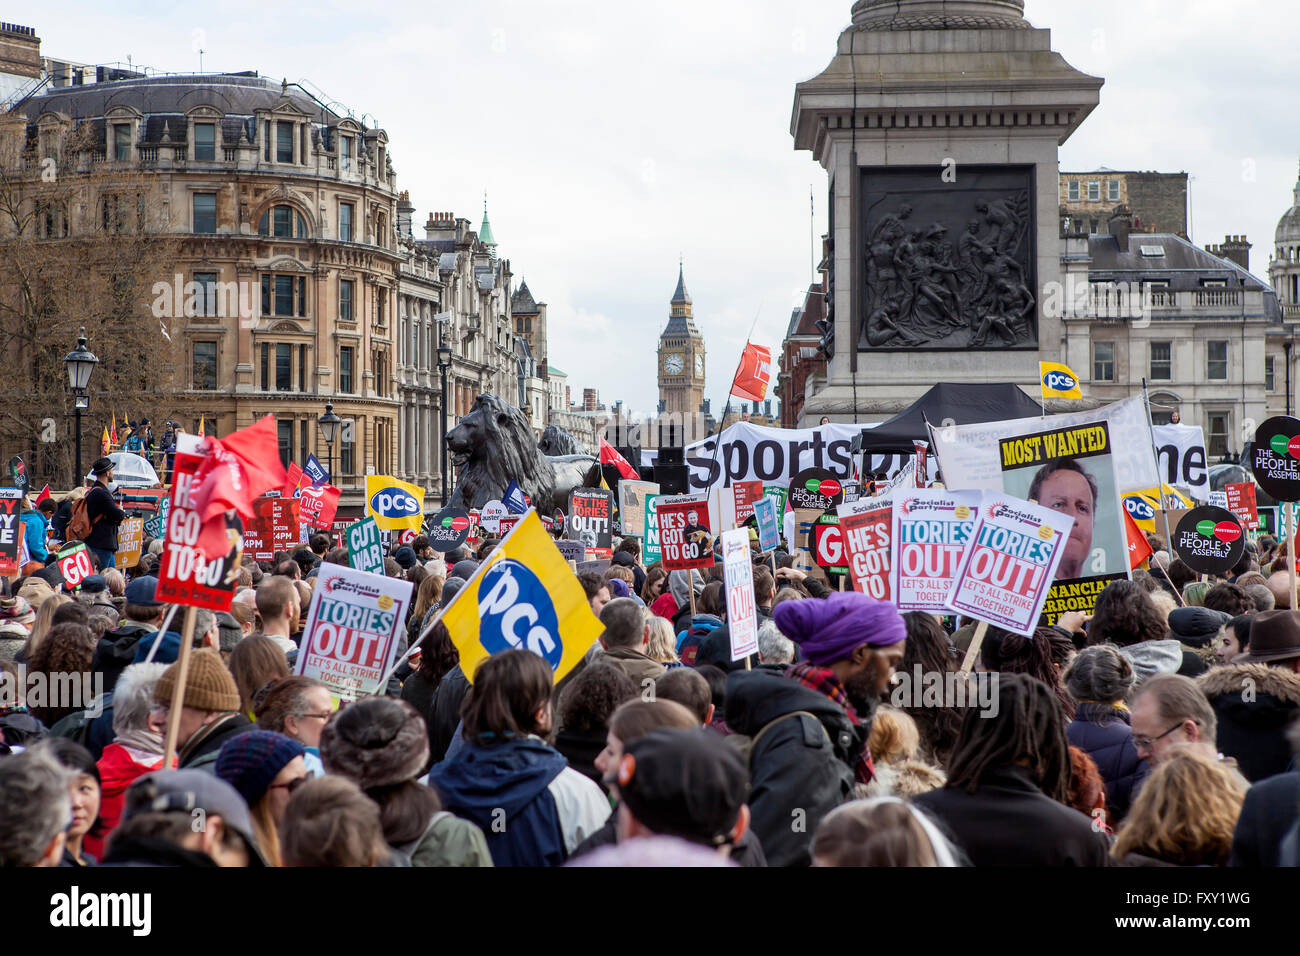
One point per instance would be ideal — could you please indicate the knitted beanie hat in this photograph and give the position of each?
(17, 609)
(250, 761)
(377, 742)
(208, 685)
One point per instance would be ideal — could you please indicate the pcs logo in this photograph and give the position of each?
(516, 613)
(1139, 508)
(1059, 382)
(394, 503)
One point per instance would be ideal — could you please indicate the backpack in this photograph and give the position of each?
(745, 744)
(79, 523)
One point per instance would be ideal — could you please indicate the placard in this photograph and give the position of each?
(273, 527)
(1008, 570)
(448, 529)
(1275, 457)
(11, 532)
(738, 580)
(826, 544)
(591, 519)
(746, 493)
(684, 538)
(184, 575)
(769, 530)
(156, 526)
(651, 552)
(574, 551)
(353, 627)
(130, 541)
(930, 529)
(868, 541)
(632, 497)
(1209, 540)
(1241, 502)
(317, 505)
(74, 564)
(365, 550)
(490, 516)
(815, 489)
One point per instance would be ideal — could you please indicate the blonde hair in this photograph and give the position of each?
(1185, 813)
(663, 642)
(268, 837)
(41, 626)
(893, 736)
(1165, 602)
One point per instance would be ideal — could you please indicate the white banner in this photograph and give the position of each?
(1183, 460)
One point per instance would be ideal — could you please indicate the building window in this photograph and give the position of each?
(284, 431)
(283, 367)
(266, 141)
(345, 299)
(345, 368)
(280, 221)
(288, 295)
(345, 153)
(266, 377)
(1103, 361)
(205, 212)
(381, 313)
(345, 221)
(1217, 437)
(284, 295)
(347, 447)
(205, 141)
(121, 142)
(1073, 190)
(283, 142)
(302, 371)
(1094, 191)
(207, 283)
(1216, 366)
(1112, 190)
(1162, 361)
(205, 365)
(1268, 373)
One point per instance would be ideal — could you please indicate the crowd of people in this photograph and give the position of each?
(1157, 731)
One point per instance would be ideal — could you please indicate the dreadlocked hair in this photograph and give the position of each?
(1011, 653)
(1027, 728)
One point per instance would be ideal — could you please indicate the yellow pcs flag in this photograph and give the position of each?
(395, 505)
(1058, 381)
(523, 596)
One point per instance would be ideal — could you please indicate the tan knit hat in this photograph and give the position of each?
(208, 685)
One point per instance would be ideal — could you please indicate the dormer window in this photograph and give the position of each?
(283, 142)
(205, 141)
(346, 151)
(122, 142)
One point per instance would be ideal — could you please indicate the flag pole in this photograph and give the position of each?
(1155, 459)
(717, 444)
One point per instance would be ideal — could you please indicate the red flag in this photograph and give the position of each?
(1139, 548)
(609, 456)
(239, 468)
(293, 481)
(319, 505)
(45, 493)
(754, 374)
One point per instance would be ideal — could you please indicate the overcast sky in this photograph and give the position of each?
(613, 136)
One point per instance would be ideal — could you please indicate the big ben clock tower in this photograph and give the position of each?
(681, 358)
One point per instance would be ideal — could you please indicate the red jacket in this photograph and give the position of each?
(665, 605)
(117, 771)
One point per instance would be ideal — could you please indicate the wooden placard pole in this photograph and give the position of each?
(972, 652)
(178, 695)
(1292, 512)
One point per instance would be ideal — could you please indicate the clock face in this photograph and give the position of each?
(673, 364)
(699, 364)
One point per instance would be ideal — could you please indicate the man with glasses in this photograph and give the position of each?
(1170, 711)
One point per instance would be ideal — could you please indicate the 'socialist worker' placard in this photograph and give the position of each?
(1007, 571)
(352, 631)
(931, 530)
(1071, 470)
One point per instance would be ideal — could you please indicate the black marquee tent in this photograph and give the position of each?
(945, 402)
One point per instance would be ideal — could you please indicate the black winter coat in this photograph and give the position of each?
(1269, 811)
(1254, 704)
(1009, 821)
(444, 714)
(100, 504)
(1104, 733)
(801, 769)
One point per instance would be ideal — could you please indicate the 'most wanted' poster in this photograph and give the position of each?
(931, 530)
(1007, 571)
(1071, 470)
(353, 627)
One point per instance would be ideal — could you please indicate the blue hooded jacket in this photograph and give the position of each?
(513, 777)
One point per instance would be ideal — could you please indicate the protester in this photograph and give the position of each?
(1168, 711)
(584, 707)
(597, 590)
(687, 686)
(36, 808)
(675, 600)
(1267, 828)
(17, 624)
(881, 831)
(709, 607)
(65, 655)
(210, 712)
(84, 791)
(382, 745)
(1252, 725)
(1185, 814)
(662, 644)
(144, 613)
(34, 530)
(1230, 599)
(429, 594)
(929, 656)
(297, 707)
(1234, 639)
(808, 734)
(1100, 679)
(436, 658)
(1009, 776)
(103, 513)
(715, 646)
(1006, 652)
(158, 824)
(1124, 616)
(626, 640)
(656, 580)
(135, 749)
(775, 650)
(1087, 791)
(279, 606)
(265, 768)
(506, 772)
(255, 662)
(330, 822)
(894, 744)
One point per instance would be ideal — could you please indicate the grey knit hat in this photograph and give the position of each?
(376, 742)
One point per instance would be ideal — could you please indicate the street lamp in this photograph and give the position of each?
(329, 430)
(444, 363)
(80, 363)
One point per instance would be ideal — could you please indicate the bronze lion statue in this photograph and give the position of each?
(494, 444)
(557, 442)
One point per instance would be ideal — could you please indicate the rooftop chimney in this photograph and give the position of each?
(1121, 224)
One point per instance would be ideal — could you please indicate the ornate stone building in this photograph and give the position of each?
(285, 211)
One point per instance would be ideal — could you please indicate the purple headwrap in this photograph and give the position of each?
(830, 629)
(618, 587)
